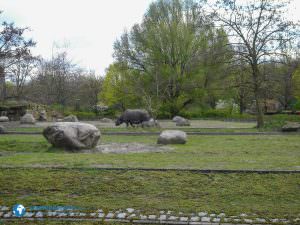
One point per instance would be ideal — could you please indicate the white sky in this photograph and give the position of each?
(89, 26)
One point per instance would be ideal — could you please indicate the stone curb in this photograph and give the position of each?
(131, 215)
(128, 221)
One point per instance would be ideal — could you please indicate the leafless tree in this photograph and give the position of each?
(13, 45)
(257, 29)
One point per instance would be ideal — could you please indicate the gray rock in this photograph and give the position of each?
(205, 219)
(72, 136)
(202, 214)
(30, 214)
(39, 214)
(173, 218)
(290, 127)
(51, 214)
(177, 118)
(4, 119)
(143, 217)
(106, 120)
(110, 215)
(27, 119)
(216, 220)
(274, 220)
(121, 215)
(221, 215)
(82, 214)
(93, 214)
(183, 219)
(163, 217)
(227, 220)
(130, 210)
(150, 123)
(7, 215)
(180, 121)
(152, 217)
(195, 219)
(70, 118)
(259, 220)
(183, 123)
(172, 137)
(132, 216)
(62, 214)
(101, 215)
(4, 208)
(248, 221)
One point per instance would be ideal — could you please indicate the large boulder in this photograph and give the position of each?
(172, 137)
(181, 122)
(27, 119)
(4, 119)
(70, 118)
(177, 118)
(290, 127)
(72, 135)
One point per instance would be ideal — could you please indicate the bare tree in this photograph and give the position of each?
(13, 45)
(257, 29)
(21, 72)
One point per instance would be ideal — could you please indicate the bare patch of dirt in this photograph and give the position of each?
(123, 148)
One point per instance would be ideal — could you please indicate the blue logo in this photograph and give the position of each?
(19, 210)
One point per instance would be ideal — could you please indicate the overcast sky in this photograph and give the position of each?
(90, 27)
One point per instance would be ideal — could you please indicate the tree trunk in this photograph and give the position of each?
(2, 84)
(259, 110)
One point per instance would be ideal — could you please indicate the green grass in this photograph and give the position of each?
(266, 195)
(200, 152)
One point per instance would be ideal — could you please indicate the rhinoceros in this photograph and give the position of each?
(133, 116)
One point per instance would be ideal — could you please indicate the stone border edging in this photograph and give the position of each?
(134, 216)
(130, 221)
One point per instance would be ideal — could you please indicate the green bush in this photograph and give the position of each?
(275, 122)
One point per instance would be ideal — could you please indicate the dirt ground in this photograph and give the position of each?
(165, 124)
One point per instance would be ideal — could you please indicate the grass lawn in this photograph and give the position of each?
(265, 195)
(201, 152)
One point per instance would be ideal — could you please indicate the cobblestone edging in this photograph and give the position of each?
(131, 215)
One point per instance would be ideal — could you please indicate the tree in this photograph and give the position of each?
(119, 88)
(13, 45)
(55, 81)
(166, 52)
(257, 29)
(20, 72)
(90, 85)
